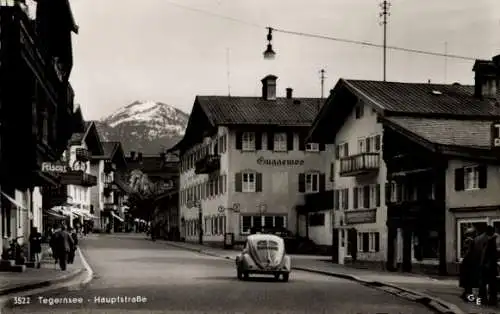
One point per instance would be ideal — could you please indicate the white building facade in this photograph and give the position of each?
(250, 174)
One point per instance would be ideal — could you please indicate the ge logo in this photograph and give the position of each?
(473, 299)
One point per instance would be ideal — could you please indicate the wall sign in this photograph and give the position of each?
(53, 167)
(360, 216)
(495, 135)
(280, 162)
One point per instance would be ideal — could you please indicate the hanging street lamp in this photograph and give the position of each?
(269, 54)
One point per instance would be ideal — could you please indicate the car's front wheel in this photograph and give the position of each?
(239, 273)
(286, 276)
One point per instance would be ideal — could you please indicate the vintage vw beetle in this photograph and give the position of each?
(263, 254)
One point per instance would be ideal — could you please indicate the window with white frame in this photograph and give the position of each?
(248, 184)
(471, 178)
(280, 142)
(248, 141)
(312, 147)
(394, 191)
(360, 242)
(361, 145)
(312, 182)
(371, 244)
(343, 150)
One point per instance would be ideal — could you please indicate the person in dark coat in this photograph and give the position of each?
(467, 275)
(489, 268)
(35, 245)
(71, 254)
(63, 244)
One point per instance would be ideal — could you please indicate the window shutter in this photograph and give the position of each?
(258, 182)
(322, 179)
(332, 171)
(355, 198)
(289, 141)
(238, 181)
(483, 176)
(207, 189)
(322, 147)
(377, 197)
(346, 149)
(368, 141)
(221, 185)
(346, 197)
(337, 152)
(239, 140)
(366, 196)
(377, 242)
(302, 141)
(377, 142)
(302, 182)
(336, 199)
(366, 242)
(459, 179)
(270, 141)
(258, 140)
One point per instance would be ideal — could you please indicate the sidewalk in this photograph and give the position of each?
(441, 294)
(34, 278)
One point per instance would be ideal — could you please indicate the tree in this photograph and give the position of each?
(141, 199)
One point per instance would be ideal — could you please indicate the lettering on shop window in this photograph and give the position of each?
(280, 162)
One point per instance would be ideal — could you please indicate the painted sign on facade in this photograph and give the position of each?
(360, 216)
(53, 167)
(280, 162)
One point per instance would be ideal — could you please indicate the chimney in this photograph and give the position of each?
(289, 92)
(132, 155)
(269, 87)
(487, 78)
(139, 156)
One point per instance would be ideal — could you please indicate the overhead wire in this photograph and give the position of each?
(310, 35)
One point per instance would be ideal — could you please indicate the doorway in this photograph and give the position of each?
(335, 246)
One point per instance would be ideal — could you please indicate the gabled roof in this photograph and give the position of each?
(211, 111)
(431, 101)
(228, 110)
(90, 137)
(112, 151)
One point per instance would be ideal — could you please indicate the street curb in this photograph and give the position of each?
(41, 284)
(433, 303)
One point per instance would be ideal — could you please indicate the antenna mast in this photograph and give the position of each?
(228, 73)
(322, 72)
(384, 14)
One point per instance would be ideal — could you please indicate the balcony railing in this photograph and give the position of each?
(359, 164)
(319, 201)
(208, 164)
(412, 209)
(78, 178)
(82, 154)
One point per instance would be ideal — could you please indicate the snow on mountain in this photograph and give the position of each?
(146, 126)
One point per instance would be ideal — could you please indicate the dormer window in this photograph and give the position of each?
(248, 141)
(280, 142)
(312, 147)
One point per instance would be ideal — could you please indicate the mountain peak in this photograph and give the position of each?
(147, 126)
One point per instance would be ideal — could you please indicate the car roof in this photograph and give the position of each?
(257, 237)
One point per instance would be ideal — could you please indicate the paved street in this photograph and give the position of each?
(179, 281)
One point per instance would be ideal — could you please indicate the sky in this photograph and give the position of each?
(170, 51)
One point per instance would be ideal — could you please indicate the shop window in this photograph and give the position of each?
(462, 228)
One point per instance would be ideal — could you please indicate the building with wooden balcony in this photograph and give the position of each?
(36, 109)
(438, 167)
(109, 194)
(245, 166)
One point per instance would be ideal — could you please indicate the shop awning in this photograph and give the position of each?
(62, 209)
(54, 214)
(13, 201)
(116, 216)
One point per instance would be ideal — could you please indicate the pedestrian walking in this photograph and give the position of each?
(63, 244)
(71, 254)
(490, 267)
(35, 246)
(468, 280)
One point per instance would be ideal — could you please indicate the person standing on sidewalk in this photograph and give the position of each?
(467, 275)
(490, 268)
(35, 246)
(63, 244)
(71, 254)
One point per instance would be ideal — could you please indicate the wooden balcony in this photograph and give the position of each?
(208, 164)
(412, 209)
(319, 201)
(78, 178)
(360, 164)
(82, 154)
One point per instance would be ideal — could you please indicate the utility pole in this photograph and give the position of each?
(384, 14)
(322, 72)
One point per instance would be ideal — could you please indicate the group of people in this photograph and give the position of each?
(63, 245)
(479, 269)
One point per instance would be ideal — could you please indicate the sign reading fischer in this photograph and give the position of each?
(53, 167)
(280, 162)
